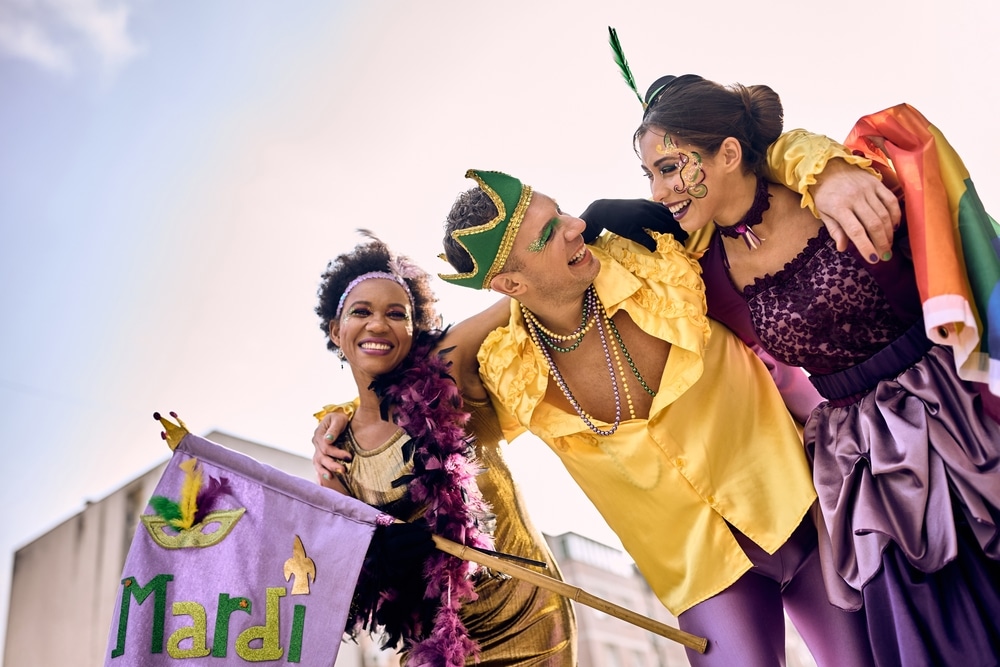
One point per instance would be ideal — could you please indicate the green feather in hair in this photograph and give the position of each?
(616, 49)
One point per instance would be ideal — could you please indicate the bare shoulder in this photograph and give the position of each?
(462, 342)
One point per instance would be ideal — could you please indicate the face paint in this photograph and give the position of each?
(667, 146)
(539, 244)
(689, 165)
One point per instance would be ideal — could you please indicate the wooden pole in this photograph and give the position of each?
(699, 644)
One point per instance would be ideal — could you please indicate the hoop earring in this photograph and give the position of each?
(340, 355)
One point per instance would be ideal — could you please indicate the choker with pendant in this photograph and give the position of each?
(743, 228)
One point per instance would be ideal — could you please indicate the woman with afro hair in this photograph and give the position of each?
(422, 443)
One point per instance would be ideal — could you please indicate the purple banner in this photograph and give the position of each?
(236, 562)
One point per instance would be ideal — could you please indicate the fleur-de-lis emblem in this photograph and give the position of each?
(302, 567)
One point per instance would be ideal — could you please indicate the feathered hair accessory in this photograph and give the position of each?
(653, 92)
(399, 265)
(426, 403)
(404, 268)
(619, 54)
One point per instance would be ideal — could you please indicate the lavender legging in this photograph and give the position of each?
(745, 626)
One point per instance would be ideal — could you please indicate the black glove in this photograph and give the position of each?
(629, 218)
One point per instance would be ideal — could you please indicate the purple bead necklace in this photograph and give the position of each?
(593, 313)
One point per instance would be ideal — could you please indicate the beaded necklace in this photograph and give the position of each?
(545, 339)
(551, 339)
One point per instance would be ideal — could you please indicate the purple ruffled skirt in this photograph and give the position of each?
(907, 469)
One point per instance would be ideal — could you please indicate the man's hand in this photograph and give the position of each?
(328, 459)
(856, 208)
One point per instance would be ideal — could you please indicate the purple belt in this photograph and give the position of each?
(847, 386)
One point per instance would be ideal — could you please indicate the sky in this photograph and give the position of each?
(175, 176)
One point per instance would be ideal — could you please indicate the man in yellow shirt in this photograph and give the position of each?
(671, 426)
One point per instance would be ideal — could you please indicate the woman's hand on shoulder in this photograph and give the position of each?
(329, 460)
(857, 208)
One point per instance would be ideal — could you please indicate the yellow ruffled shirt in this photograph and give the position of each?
(718, 445)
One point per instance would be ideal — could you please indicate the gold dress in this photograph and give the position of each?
(513, 622)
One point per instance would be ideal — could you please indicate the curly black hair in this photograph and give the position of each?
(374, 255)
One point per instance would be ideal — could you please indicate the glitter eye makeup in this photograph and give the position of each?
(357, 311)
(539, 244)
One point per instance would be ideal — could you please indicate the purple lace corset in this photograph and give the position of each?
(823, 311)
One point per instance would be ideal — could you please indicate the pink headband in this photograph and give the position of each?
(385, 275)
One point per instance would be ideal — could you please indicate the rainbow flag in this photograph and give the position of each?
(955, 243)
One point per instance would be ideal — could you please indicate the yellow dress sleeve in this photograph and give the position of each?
(509, 426)
(506, 369)
(798, 156)
(697, 241)
(347, 408)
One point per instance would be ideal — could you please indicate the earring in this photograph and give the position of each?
(340, 355)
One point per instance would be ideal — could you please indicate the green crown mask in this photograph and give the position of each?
(489, 244)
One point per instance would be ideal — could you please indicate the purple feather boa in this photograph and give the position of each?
(426, 403)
